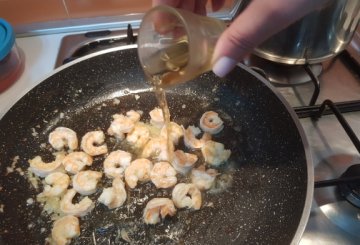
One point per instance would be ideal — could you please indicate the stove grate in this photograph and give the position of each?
(349, 182)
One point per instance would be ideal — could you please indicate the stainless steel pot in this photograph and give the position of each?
(314, 38)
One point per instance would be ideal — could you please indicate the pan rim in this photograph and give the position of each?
(309, 163)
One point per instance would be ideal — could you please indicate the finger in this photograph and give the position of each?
(160, 18)
(174, 3)
(217, 4)
(247, 32)
(200, 7)
(187, 5)
(163, 20)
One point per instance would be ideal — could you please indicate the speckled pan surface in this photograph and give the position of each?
(264, 204)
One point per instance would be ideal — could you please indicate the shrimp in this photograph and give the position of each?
(157, 148)
(64, 229)
(134, 115)
(202, 179)
(139, 170)
(85, 182)
(63, 137)
(120, 125)
(163, 175)
(157, 117)
(210, 122)
(139, 136)
(187, 195)
(42, 169)
(215, 153)
(76, 161)
(176, 131)
(190, 139)
(123, 124)
(79, 209)
(116, 163)
(183, 162)
(56, 184)
(114, 196)
(92, 143)
(157, 209)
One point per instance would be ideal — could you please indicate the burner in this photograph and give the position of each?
(337, 216)
(351, 190)
(282, 74)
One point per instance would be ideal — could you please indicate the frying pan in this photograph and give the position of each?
(270, 172)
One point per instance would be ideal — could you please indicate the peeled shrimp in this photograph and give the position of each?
(157, 209)
(116, 163)
(64, 229)
(187, 196)
(85, 182)
(157, 117)
(190, 139)
(42, 169)
(139, 170)
(183, 162)
(120, 125)
(134, 115)
(210, 122)
(63, 137)
(76, 161)
(114, 196)
(139, 136)
(123, 124)
(203, 179)
(93, 143)
(157, 148)
(79, 209)
(215, 153)
(56, 184)
(176, 131)
(163, 175)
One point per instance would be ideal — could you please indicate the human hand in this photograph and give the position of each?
(196, 6)
(259, 21)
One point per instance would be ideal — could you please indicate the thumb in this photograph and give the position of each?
(259, 21)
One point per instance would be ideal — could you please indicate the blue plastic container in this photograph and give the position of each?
(11, 62)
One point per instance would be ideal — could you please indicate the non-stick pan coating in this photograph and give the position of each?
(264, 204)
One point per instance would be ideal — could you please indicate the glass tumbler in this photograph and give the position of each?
(175, 45)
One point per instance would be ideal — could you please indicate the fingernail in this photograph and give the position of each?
(223, 66)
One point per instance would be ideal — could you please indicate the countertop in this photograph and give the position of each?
(39, 54)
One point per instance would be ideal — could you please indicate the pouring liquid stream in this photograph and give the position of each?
(172, 60)
(175, 46)
(161, 98)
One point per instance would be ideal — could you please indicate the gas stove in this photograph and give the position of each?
(326, 98)
(334, 217)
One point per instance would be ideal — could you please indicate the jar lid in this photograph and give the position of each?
(7, 38)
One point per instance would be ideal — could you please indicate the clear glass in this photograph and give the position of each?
(175, 45)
